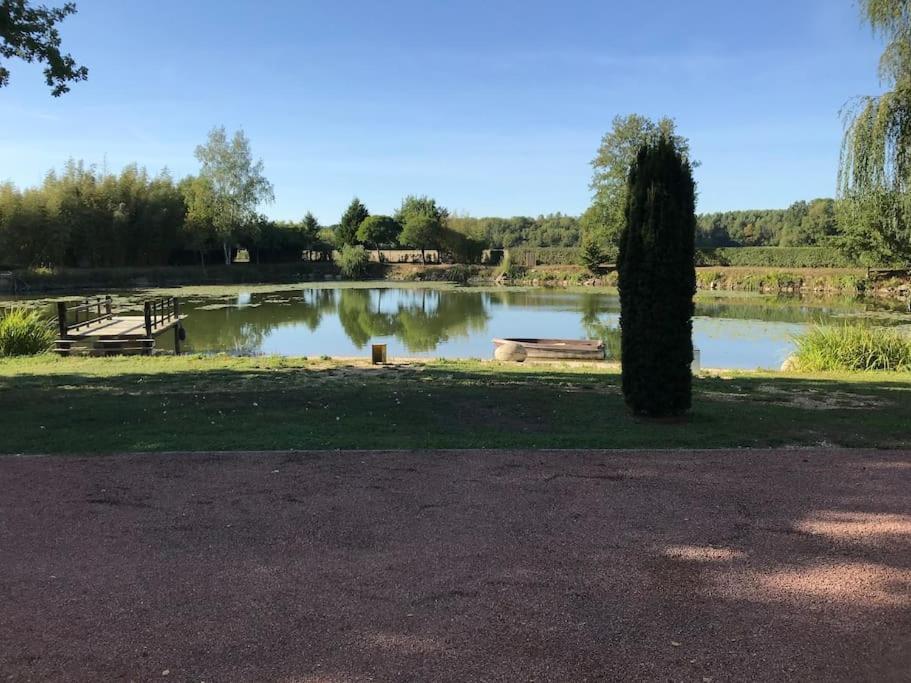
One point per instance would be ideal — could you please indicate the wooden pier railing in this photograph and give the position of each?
(82, 314)
(95, 322)
(157, 312)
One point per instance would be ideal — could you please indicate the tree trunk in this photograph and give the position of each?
(227, 250)
(423, 258)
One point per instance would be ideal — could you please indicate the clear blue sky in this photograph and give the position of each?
(493, 107)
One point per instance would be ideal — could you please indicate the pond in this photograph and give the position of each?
(732, 331)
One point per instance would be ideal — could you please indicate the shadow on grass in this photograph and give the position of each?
(435, 405)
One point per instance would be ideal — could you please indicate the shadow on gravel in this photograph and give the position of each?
(458, 565)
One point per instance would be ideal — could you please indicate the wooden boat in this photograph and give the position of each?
(556, 349)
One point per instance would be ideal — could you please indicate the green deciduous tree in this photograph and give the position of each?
(353, 261)
(29, 32)
(237, 184)
(423, 222)
(376, 231)
(619, 146)
(657, 282)
(875, 168)
(198, 231)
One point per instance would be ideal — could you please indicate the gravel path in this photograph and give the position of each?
(463, 565)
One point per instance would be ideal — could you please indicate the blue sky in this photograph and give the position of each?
(493, 107)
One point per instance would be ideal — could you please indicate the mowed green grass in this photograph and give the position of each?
(101, 405)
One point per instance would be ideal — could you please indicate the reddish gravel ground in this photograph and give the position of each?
(465, 565)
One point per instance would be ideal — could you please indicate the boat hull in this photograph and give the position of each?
(558, 349)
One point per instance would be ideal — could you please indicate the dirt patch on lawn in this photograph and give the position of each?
(808, 399)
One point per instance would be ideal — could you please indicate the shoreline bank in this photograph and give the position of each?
(817, 281)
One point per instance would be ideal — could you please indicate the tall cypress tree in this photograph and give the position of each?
(657, 282)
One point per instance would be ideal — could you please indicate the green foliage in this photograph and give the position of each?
(462, 248)
(511, 268)
(377, 231)
(423, 221)
(875, 167)
(24, 332)
(658, 281)
(237, 186)
(85, 218)
(852, 347)
(279, 242)
(460, 273)
(878, 226)
(29, 32)
(802, 223)
(551, 230)
(352, 261)
(618, 150)
(591, 255)
(355, 214)
(547, 256)
(311, 228)
(775, 257)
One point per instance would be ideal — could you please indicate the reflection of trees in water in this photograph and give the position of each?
(243, 329)
(360, 319)
(598, 328)
(421, 319)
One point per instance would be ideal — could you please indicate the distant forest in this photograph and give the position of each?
(801, 224)
(82, 217)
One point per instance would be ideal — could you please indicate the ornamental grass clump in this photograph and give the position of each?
(852, 347)
(24, 332)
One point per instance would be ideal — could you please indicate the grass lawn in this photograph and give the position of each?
(50, 404)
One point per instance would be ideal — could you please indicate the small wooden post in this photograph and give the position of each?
(176, 327)
(148, 316)
(61, 318)
(108, 304)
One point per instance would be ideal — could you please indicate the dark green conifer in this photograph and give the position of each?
(657, 282)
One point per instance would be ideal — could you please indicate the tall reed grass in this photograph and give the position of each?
(852, 346)
(24, 332)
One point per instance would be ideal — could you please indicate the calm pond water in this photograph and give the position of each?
(748, 331)
(731, 330)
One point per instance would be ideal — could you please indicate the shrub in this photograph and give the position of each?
(657, 282)
(546, 256)
(352, 261)
(852, 347)
(24, 332)
(510, 269)
(591, 254)
(775, 257)
(460, 273)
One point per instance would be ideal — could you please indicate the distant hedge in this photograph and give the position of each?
(775, 257)
(545, 256)
(755, 257)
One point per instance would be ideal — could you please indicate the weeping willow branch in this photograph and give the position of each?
(874, 174)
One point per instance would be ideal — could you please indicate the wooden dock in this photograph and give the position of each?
(96, 324)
